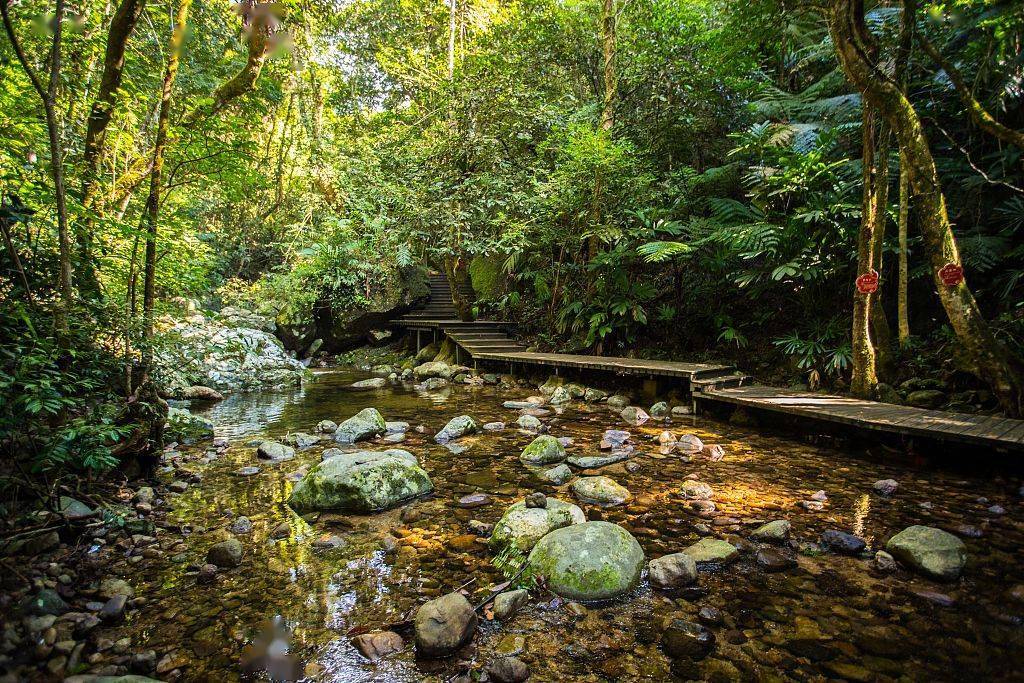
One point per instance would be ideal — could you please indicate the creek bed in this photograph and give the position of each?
(830, 617)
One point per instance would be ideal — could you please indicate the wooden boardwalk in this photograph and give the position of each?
(621, 366)
(998, 432)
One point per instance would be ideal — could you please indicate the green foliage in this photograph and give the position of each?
(512, 563)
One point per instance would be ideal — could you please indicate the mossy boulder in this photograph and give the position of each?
(544, 450)
(365, 424)
(589, 562)
(600, 491)
(523, 526)
(931, 551)
(363, 481)
(456, 427)
(433, 369)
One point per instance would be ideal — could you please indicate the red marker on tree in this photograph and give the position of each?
(868, 282)
(951, 274)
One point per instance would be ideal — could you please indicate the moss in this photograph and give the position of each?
(487, 275)
(543, 450)
(369, 486)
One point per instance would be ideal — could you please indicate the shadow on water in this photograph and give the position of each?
(830, 617)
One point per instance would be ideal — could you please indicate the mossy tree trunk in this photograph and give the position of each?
(863, 379)
(987, 356)
(881, 335)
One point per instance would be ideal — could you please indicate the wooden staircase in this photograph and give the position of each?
(483, 339)
(439, 305)
(718, 378)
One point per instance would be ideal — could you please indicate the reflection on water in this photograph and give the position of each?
(829, 618)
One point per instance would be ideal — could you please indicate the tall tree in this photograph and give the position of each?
(48, 95)
(987, 356)
(864, 377)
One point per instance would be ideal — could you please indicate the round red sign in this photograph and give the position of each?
(951, 274)
(868, 282)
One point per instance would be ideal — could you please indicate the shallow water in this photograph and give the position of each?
(831, 617)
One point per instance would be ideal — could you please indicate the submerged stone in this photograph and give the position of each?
(557, 475)
(523, 526)
(363, 481)
(776, 531)
(587, 462)
(711, 552)
(600, 491)
(274, 451)
(634, 416)
(687, 640)
(588, 561)
(931, 551)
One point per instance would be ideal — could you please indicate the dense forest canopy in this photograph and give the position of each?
(679, 178)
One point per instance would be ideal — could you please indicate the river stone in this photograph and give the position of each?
(377, 644)
(456, 427)
(493, 426)
(886, 487)
(926, 398)
(842, 542)
(932, 551)
(591, 395)
(326, 426)
(773, 560)
(45, 602)
(687, 640)
(696, 490)
(690, 443)
(396, 427)
(659, 409)
(618, 401)
(588, 462)
(365, 424)
(560, 396)
(226, 553)
(241, 525)
(529, 423)
(519, 405)
(302, 439)
(432, 369)
(600, 490)
(634, 416)
(776, 531)
(507, 669)
(372, 383)
(557, 475)
(588, 561)
(613, 438)
(184, 427)
(274, 451)
(443, 625)
(508, 603)
(672, 571)
(363, 481)
(709, 552)
(523, 526)
(73, 509)
(543, 450)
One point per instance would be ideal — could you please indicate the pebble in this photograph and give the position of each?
(886, 487)
(507, 670)
(475, 500)
(842, 542)
(536, 500)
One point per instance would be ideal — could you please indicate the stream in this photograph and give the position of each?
(830, 617)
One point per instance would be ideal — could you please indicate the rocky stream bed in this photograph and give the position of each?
(211, 575)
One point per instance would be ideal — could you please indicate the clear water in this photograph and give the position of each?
(831, 617)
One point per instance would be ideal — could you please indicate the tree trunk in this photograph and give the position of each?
(151, 212)
(863, 378)
(902, 313)
(608, 30)
(881, 335)
(458, 277)
(49, 97)
(987, 356)
(121, 28)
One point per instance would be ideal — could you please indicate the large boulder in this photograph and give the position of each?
(433, 369)
(544, 450)
(365, 424)
(456, 427)
(444, 625)
(931, 551)
(589, 561)
(523, 526)
(185, 427)
(229, 354)
(363, 481)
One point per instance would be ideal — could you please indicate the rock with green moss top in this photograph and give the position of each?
(591, 395)
(589, 562)
(433, 369)
(559, 396)
(934, 552)
(456, 427)
(544, 450)
(185, 427)
(600, 491)
(523, 527)
(709, 553)
(365, 424)
(363, 481)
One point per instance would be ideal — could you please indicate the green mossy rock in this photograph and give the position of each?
(523, 527)
(931, 551)
(365, 424)
(544, 450)
(589, 562)
(185, 427)
(364, 481)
